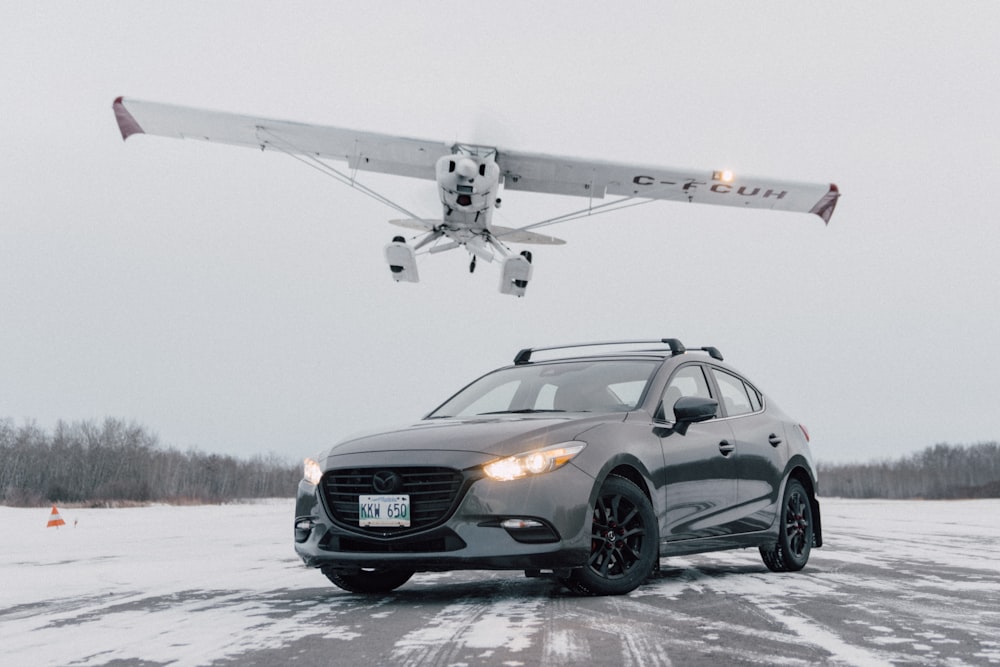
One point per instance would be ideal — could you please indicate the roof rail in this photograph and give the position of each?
(676, 347)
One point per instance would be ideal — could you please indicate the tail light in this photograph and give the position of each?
(804, 432)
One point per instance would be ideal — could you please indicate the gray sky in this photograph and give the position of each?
(237, 301)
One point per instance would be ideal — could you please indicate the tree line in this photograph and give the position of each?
(940, 472)
(115, 462)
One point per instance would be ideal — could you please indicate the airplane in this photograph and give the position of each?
(469, 178)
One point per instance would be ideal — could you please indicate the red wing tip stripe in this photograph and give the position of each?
(126, 123)
(824, 207)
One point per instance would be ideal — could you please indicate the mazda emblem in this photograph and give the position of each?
(386, 481)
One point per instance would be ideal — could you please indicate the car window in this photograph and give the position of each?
(601, 385)
(628, 393)
(546, 398)
(496, 399)
(734, 393)
(688, 380)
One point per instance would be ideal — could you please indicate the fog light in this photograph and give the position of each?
(529, 531)
(303, 527)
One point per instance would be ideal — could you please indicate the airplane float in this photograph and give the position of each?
(469, 178)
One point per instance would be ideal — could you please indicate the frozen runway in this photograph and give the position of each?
(898, 583)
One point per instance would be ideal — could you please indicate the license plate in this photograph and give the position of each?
(384, 510)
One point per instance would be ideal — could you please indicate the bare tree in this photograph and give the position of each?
(122, 461)
(940, 472)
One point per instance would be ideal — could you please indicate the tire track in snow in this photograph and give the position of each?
(472, 627)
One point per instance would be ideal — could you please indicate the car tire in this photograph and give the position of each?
(795, 539)
(369, 580)
(624, 542)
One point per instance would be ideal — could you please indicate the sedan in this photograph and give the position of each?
(588, 466)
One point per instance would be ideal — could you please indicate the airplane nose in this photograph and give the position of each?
(467, 168)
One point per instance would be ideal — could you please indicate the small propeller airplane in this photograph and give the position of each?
(469, 178)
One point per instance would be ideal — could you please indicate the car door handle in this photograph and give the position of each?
(726, 447)
(774, 440)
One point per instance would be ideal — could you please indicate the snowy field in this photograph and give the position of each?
(898, 583)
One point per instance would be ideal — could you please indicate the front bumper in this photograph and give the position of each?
(538, 522)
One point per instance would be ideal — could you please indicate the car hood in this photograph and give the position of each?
(495, 435)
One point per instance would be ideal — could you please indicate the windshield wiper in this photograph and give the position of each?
(522, 411)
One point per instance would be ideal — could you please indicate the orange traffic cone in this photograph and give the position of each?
(55, 519)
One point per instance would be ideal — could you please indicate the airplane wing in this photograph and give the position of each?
(522, 236)
(416, 223)
(534, 172)
(368, 151)
(594, 178)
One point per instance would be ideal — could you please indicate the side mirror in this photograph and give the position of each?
(691, 409)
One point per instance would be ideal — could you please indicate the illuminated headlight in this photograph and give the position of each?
(534, 462)
(311, 471)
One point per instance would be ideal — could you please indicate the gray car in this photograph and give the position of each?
(589, 468)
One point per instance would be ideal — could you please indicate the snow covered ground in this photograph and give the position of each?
(898, 583)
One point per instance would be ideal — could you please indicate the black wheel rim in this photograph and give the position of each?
(798, 532)
(616, 536)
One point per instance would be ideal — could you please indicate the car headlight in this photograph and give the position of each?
(534, 462)
(311, 471)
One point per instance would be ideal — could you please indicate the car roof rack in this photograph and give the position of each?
(676, 347)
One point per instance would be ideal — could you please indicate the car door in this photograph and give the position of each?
(759, 455)
(699, 471)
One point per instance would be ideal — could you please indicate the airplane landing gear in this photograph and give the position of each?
(516, 274)
(402, 261)
(524, 283)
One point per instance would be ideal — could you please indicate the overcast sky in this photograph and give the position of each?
(237, 301)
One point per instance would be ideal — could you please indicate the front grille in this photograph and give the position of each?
(433, 493)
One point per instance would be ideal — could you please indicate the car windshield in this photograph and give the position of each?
(599, 385)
